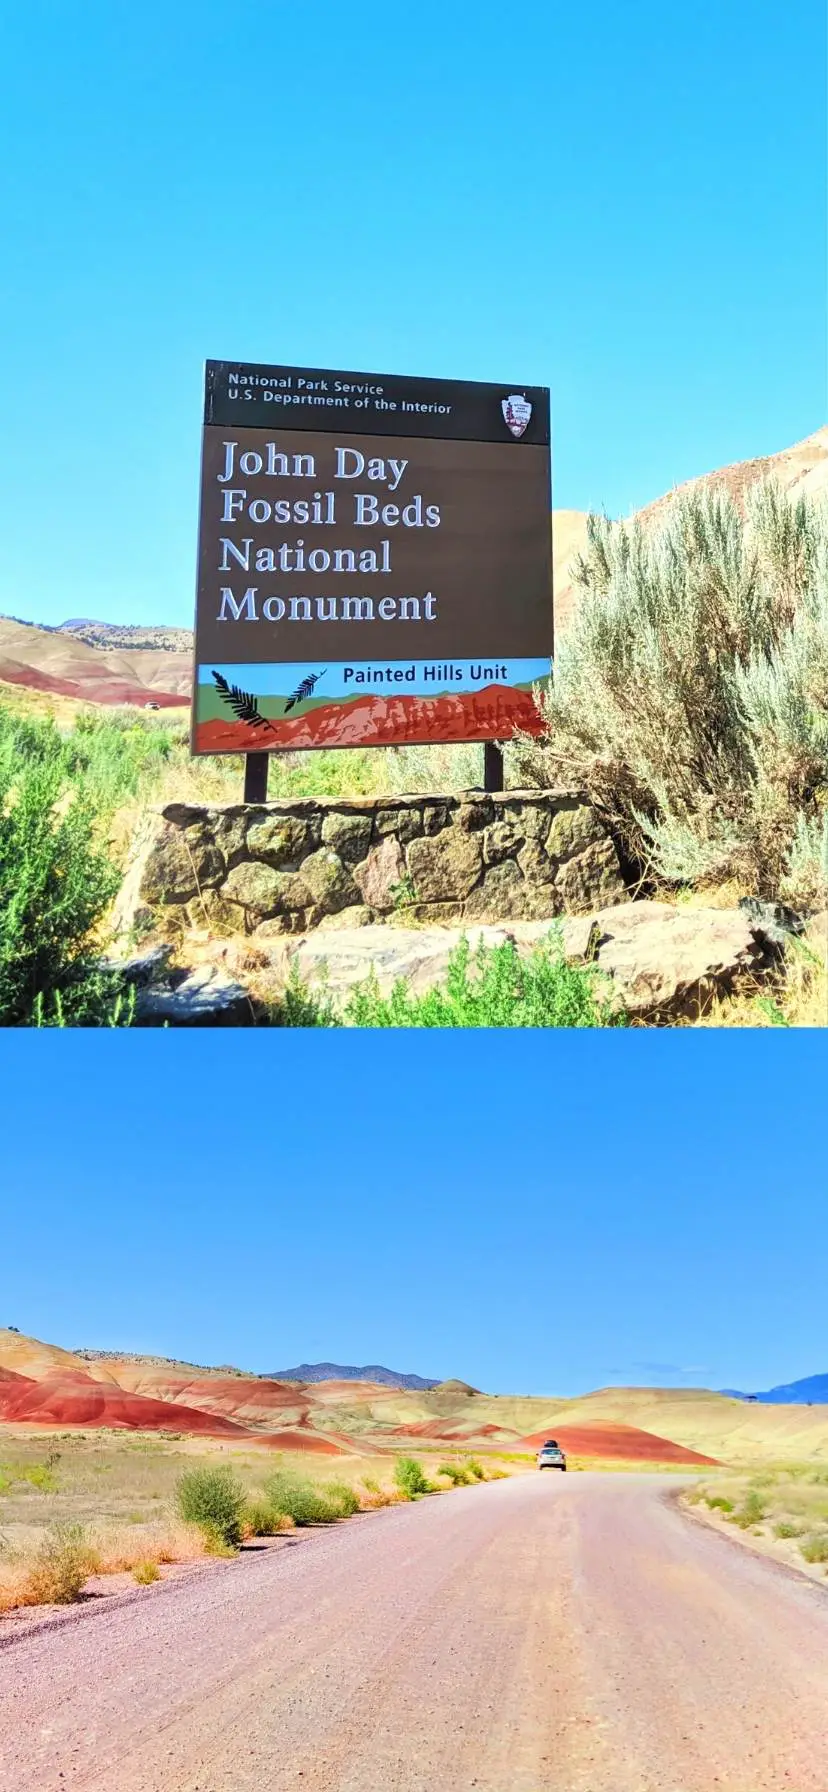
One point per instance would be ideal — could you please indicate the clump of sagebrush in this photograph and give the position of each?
(64, 1562)
(260, 1520)
(690, 698)
(56, 882)
(306, 1503)
(410, 1478)
(752, 1510)
(454, 1473)
(495, 987)
(146, 1572)
(816, 1548)
(214, 1500)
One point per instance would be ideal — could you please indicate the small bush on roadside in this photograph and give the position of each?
(454, 1473)
(374, 1495)
(63, 1564)
(718, 1503)
(410, 1478)
(260, 1520)
(145, 1573)
(475, 1469)
(751, 1511)
(816, 1548)
(213, 1499)
(301, 1500)
(786, 1529)
(343, 1496)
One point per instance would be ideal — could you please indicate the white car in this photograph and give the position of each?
(550, 1455)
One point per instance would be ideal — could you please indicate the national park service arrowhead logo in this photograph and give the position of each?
(517, 411)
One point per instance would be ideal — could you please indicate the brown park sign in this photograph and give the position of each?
(374, 560)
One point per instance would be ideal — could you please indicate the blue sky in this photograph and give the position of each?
(531, 1212)
(626, 203)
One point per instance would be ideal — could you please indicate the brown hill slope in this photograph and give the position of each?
(51, 661)
(800, 469)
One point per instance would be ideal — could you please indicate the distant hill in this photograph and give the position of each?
(811, 1391)
(136, 636)
(324, 1409)
(64, 664)
(387, 1378)
(802, 469)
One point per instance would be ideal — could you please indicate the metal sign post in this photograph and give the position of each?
(493, 774)
(255, 777)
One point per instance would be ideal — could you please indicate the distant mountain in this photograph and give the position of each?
(811, 1391)
(387, 1378)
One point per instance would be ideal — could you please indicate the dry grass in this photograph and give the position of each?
(781, 1509)
(795, 995)
(107, 1505)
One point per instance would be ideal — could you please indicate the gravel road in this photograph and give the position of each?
(544, 1634)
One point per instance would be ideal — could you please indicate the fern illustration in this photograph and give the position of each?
(304, 689)
(243, 704)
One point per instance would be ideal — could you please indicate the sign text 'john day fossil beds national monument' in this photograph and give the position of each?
(374, 560)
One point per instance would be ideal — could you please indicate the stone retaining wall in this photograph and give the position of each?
(290, 866)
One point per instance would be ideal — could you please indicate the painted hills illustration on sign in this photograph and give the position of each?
(365, 704)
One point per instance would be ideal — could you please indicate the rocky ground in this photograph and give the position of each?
(665, 962)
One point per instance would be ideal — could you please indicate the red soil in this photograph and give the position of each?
(606, 1441)
(103, 690)
(371, 721)
(75, 1399)
(449, 1431)
(301, 1440)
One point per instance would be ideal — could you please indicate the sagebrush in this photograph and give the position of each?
(690, 697)
(213, 1499)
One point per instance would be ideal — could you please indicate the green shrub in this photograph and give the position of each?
(39, 1475)
(301, 1500)
(718, 1503)
(475, 1469)
(689, 697)
(344, 1497)
(299, 1006)
(786, 1529)
(751, 1511)
(56, 882)
(410, 1478)
(35, 1474)
(259, 1519)
(145, 1573)
(494, 987)
(63, 1564)
(454, 1473)
(816, 1548)
(213, 1499)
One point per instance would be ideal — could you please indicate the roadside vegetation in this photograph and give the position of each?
(492, 986)
(98, 1505)
(690, 702)
(691, 693)
(784, 1506)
